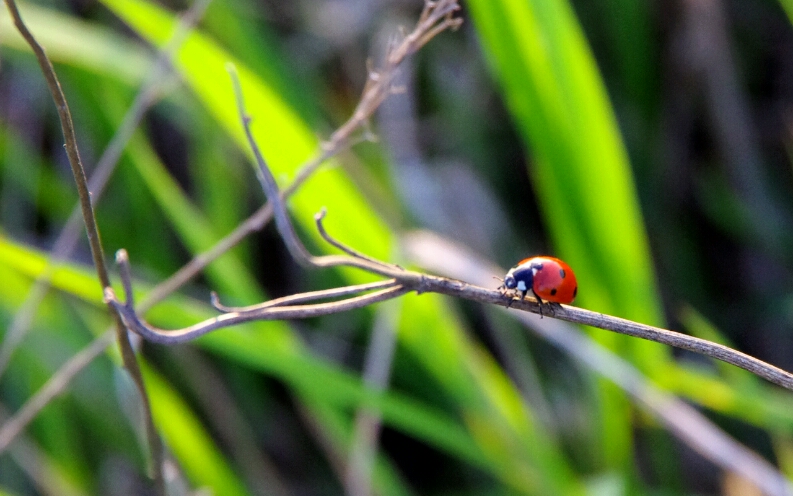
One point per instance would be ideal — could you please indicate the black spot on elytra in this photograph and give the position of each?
(553, 292)
(562, 273)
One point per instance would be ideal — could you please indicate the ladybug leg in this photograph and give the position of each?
(505, 291)
(539, 301)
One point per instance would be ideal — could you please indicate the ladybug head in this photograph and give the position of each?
(510, 282)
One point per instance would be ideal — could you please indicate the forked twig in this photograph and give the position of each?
(286, 312)
(378, 86)
(436, 17)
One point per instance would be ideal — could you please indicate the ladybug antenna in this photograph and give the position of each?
(501, 280)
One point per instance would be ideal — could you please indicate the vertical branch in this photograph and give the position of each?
(92, 229)
(70, 141)
(149, 94)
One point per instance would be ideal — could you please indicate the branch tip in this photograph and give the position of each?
(214, 300)
(122, 256)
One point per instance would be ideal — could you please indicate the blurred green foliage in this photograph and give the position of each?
(603, 133)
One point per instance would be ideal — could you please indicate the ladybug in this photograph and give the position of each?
(548, 278)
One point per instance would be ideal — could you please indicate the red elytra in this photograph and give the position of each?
(548, 278)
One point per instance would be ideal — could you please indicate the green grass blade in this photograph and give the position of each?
(580, 172)
(787, 5)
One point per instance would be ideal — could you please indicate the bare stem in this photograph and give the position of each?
(287, 312)
(423, 283)
(92, 229)
(339, 141)
(285, 228)
(304, 297)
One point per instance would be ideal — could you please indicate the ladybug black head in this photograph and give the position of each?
(510, 282)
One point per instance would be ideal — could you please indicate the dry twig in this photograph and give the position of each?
(407, 281)
(436, 17)
(92, 229)
(681, 419)
(150, 92)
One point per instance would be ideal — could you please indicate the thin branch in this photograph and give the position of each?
(92, 229)
(436, 17)
(436, 14)
(347, 249)
(67, 127)
(426, 283)
(296, 248)
(684, 421)
(340, 140)
(304, 297)
(292, 312)
(413, 281)
(150, 92)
